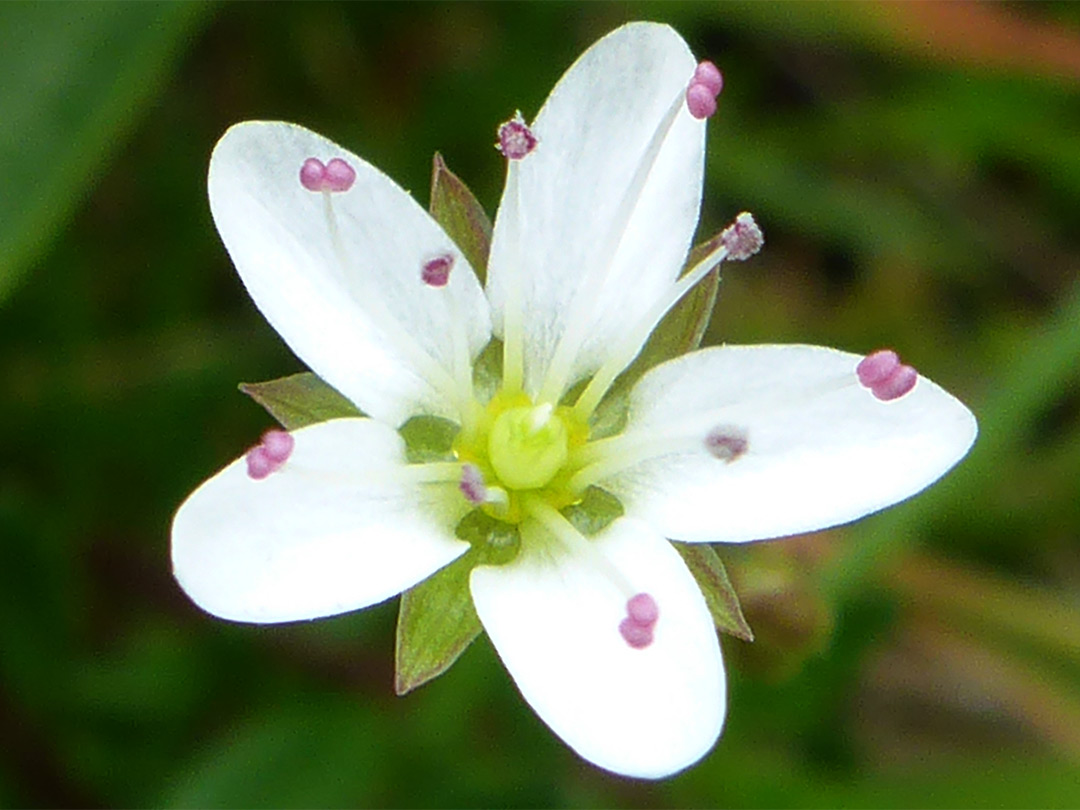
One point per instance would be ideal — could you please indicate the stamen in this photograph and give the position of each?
(704, 87)
(700, 101)
(270, 454)
(516, 140)
(472, 484)
(436, 272)
(337, 175)
(743, 238)
(885, 376)
(727, 443)
(744, 233)
(637, 628)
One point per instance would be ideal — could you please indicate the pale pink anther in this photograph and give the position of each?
(642, 613)
(876, 367)
(727, 442)
(885, 376)
(337, 175)
(709, 75)
(742, 238)
(700, 101)
(636, 635)
(436, 271)
(268, 456)
(278, 445)
(642, 609)
(516, 140)
(472, 484)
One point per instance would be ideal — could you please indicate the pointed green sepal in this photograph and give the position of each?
(594, 512)
(436, 623)
(679, 332)
(456, 209)
(704, 563)
(300, 400)
(428, 438)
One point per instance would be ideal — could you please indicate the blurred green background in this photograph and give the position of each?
(916, 169)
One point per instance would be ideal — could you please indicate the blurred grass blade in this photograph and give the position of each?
(75, 77)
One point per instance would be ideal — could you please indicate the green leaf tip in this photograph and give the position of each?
(300, 400)
(456, 209)
(705, 564)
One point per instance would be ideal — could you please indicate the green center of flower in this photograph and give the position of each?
(527, 446)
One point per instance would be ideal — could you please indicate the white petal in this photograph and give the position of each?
(821, 450)
(581, 212)
(554, 620)
(325, 301)
(335, 529)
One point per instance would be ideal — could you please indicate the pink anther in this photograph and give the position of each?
(727, 443)
(642, 613)
(472, 484)
(436, 271)
(268, 456)
(742, 238)
(700, 101)
(337, 175)
(516, 140)
(709, 75)
(704, 87)
(885, 376)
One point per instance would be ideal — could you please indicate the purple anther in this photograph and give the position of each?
(636, 635)
(885, 376)
(516, 140)
(742, 238)
(700, 101)
(642, 613)
(709, 75)
(436, 272)
(278, 445)
(877, 367)
(268, 456)
(472, 484)
(727, 443)
(642, 609)
(337, 175)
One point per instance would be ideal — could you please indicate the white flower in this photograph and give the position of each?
(608, 637)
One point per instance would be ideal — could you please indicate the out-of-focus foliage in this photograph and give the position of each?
(916, 169)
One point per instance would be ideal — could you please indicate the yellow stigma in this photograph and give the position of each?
(528, 446)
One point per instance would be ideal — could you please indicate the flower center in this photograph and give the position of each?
(528, 446)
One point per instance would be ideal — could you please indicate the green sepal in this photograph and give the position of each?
(428, 438)
(436, 623)
(705, 564)
(436, 619)
(679, 332)
(300, 400)
(594, 512)
(456, 209)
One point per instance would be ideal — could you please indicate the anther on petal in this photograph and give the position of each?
(268, 456)
(727, 443)
(642, 613)
(709, 75)
(337, 175)
(436, 272)
(700, 101)
(742, 238)
(516, 140)
(472, 485)
(885, 376)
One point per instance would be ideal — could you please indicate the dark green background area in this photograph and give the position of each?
(916, 169)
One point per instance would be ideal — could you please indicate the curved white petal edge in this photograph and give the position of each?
(335, 529)
(820, 449)
(554, 616)
(338, 274)
(613, 188)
